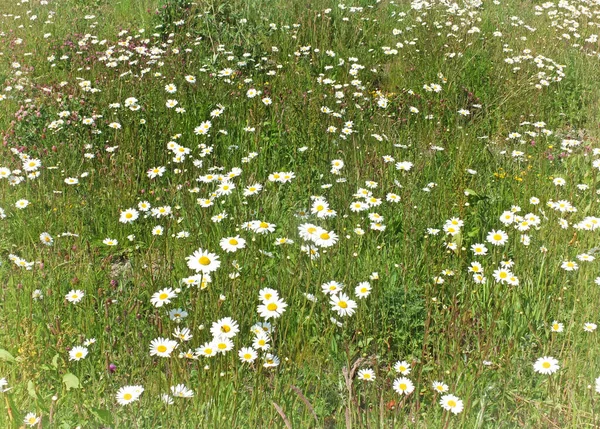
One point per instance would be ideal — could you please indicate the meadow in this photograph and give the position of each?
(299, 214)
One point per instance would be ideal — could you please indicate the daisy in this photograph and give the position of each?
(46, 239)
(451, 403)
(502, 275)
(78, 353)
(546, 365)
(366, 374)
(207, 350)
(182, 334)
(225, 328)
(156, 171)
(177, 314)
(270, 361)
(247, 354)
(363, 290)
(332, 287)
(74, 296)
(557, 327)
(21, 204)
(144, 206)
(223, 345)
(261, 341)
(202, 261)
(589, 327)
(402, 367)
(404, 165)
(110, 241)
(569, 266)
(232, 244)
(309, 232)
(162, 347)
(479, 249)
(271, 308)
(268, 294)
(497, 238)
(326, 239)
(263, 227)
(252, 189)
(180, 391)
(342, 304)
(476, 268)
(163, 297)
(128, 394)
(439, 387)
(129, 216)
(31, 419)
(403, 386)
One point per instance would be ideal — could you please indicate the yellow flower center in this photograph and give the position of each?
(451, 403)
(402, 386)
(233, 242)
(127, 396)
(343, 304)
(204, 260)
(264, 225)
(128, 215)
(546, 365)
(325, 236)
(497, 237)
(78, 355)
(272, 306)
(163, 296)
(162, 348)
(222, 346)
(247, 356)
(32, 420)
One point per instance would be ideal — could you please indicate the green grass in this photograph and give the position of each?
(480, 339)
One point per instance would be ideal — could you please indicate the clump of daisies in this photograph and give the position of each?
(128, 394)
(271, 305)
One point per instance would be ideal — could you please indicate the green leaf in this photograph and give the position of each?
(474, 232)
(6, 356)
(103, 415)
(31, 389)
(71, 381)
(55, 361)
(457, 239)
